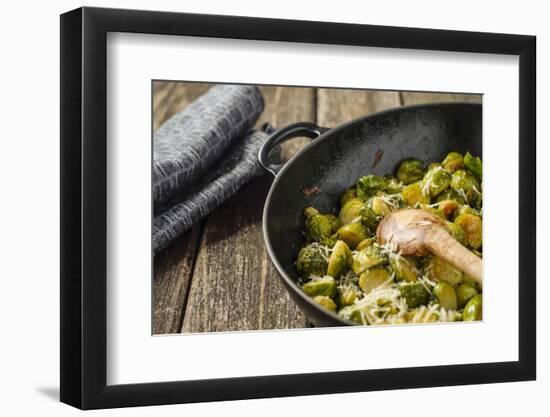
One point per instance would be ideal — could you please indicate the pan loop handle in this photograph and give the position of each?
(300, 129)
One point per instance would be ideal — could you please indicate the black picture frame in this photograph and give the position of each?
(84, 207)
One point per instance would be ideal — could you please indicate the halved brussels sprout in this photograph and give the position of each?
(340, 259)
(379, 206)
(413, 194)
(440, 270)
(474, 309)
(456, 232)
(472, 227)
(367, 258)
(350, 211)
(448, 207)
(312, 260)
(435, 181)
(369, 218)
(325, 301)
(410, 170)
(446, 295)
(464, 292)
(450, 194)
(347, 295)
(320, 226)
(467, 185)
(473, 164)
(404, 268)
(320, 286)
(372, 278)
(453, 161)
(348, 195)
(365, 243)
(352, 234)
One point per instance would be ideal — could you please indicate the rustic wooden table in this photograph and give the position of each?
(218, 276)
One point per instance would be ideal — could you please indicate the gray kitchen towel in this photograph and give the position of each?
(186, 146)
(238, 167)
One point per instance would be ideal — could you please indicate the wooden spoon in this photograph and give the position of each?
(418, 233)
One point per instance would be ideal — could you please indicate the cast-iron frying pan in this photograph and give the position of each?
(337, 157)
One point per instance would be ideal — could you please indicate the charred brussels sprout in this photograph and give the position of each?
(472, 227)
(413, 194)
(474, 309)
(312, 260)
(448, 207)
(441, 270)
(453, 161)
(352, 234)
(435, 181)
(446, 295)
(372, 278)
(456, 231)
(415, 295)
(325, 301)
(473, 164)
(464, 292)
(350, 211)
(320, 286)
(467, 185)
(340, 259)
(410, 170)
(370, 185)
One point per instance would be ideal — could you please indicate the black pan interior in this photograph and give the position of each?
(371, 145)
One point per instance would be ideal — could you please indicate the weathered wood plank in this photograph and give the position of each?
(421, 98)
(235, 286)
(336, 106)
(173, 267)
(171, 97)
(172, 275)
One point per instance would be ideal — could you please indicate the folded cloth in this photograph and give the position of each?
(187, 145)
(235, 170)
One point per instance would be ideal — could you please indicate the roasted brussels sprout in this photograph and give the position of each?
(456, 231)
(464, 292)
(365, 243)
(369, 185)
(410, 170)
(320, 286)
(473, 164)
(415, 295)
(340, 259)
(448, 207)
(319, 226)
(372, 278)
(351, 313)
(446, 295)
(347, 295)
(440, 270)
(404, 268)
(312, 260)
(453, 161)
(379, 206)
(435, 181)
(393, 186)
(413, 194)
(467, 185)
(369, 218)
(450, 194)
(466, 209)
(474, 309)
(348, 195)
(352, 234)
(471, 225)
(351, 211)
(325, 301)
(367, 258)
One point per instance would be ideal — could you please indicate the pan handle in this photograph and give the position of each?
(310, 130)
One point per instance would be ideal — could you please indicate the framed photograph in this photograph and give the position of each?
(258, 208)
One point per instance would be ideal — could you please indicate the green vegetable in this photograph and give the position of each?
(311, 261)
(464, 293)
(325, 301)
(474, 309)
(453, 161)
(372, 278)
(441, 270)
(369, 185)
(320, 286)
(471, 226)
(413, 194)
(436, 181)
(410, 170)
(415, 295)
(350, 211)
(473, 164)
(340, 260)
(352, 234)
(446, 295)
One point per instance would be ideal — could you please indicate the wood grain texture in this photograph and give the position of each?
(409, 98)
(335, 106)
(243, 292)
(173, 270)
